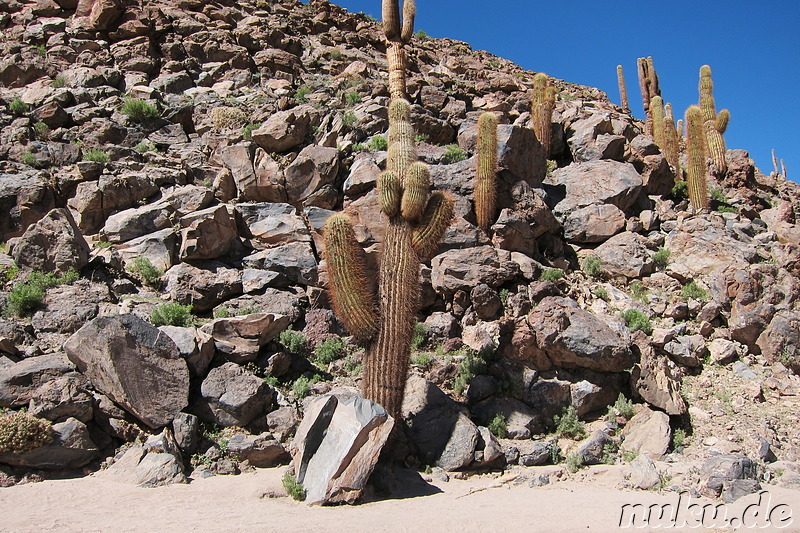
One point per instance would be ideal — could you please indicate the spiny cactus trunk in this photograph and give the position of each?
(648, 84)
(623, 91)
(486, 173)
(396, 59)
(542, 104)
(659, 128)
(672, 149)
(714, 124)
(696, 172)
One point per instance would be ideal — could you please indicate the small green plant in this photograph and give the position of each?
(453, 154)
(693, 291)
(726, 209)
(247, 131)
(293, 488)
(18, 107)
(301, 93)
(222, 312)
(358, 147)
(30, 159)
(551, 166)
(145, 269)
(661, 257)
(420, 336)
(302, 386)
(574, 462)
(622, 407)
(568, 425)
(421, 35)
(329, 351)
(21, 432)
(498, 426)
(145, 146)
(639, 291)
(172, 314)
(352, 98)
(96, 155)
(349, 119)
(679, 191)
(552, 275)
(421, 137)
(470, 366)
(40, 49)
(7, 273)
(294, 341)
(351, 365)
(104, 244)
(718, 195)
(601, 292)
(637, 321)
(421, 359)
(41, 130)
(377, 143)
(628, 456)
(59, 81)
(678, 438)
(28, 295)
(610, 450)
(139, 110)
(504, 294)
(592, 265)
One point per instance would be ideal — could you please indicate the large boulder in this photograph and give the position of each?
(593, 223)
(337, 446)
(465, 269)
(71, 447)
(314, 168)
(24, 199)
(518, 154)
(138, 221)
(95, 201)
(274, 223)
(239, 338)
(284, 130)
(156, 463)
(204, 284)
(53, 244)
(294, 262)
(19, 381)
(208, 234)
(657, 379)
(626, 255)
(780, 341)
(232, 396)
(588, 183)
(134, 364)
(648, 433)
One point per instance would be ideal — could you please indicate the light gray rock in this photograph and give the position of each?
(194, 345)
(593, 223)
(208, 234)
(703, 245)
(626, 255)
(138, 221)
(592, 183)
(644, 474)
(63, 398)
(274, 223)
(238, 339)
(157, 463)
(464, 269)
(295, 262)
(72, 447)
(261, 451)
(160, 248)
(203, 284)
(53, 244)
(283, 130)
(647, 433)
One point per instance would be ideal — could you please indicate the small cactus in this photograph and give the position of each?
(542, 104)
(672, 148)
(21, 432)
(623, 91)
(648, 84)
(485, 176)
(696, 148)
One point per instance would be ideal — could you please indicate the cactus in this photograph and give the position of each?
(648, 84)
(714, 124)
(623, 91)
(672, 148)
(487, 170)
(398, 34)
(542, 104)
(659, 128)
(696, 148)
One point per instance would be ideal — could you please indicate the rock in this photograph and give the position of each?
(644, 475)
(521, 420)
(232, 396)
(701, 246)
(202, 285)
(780, 341)
(647, 433)
(687, 350)
(729, 476)
(208, 234)
(464, 269)
(239, 339)
(626, 255)
(588, 183)
(185, 429)
(483, 337)
(282, 422)
(656, 379)
(534, 453)
(283, 130)
(485, 301)
(587, 397)
(195, 346)
(336, 447)
(25, 197)
(68, 307)
(592, 450)
(53, 244)
(488, 451)
(593, 223)
(312, 169)
(722, 351)
(295, 262)
(566, 336)
(160, 248)
(19, 381)
(134, 364)
(157, 463)
(547, 397)
(261, 451)
(72, 447)
(274, 223)
(363, 174)
(518, 153)
(94, 201)
(584, 137)
(62, 398)
(136, 222)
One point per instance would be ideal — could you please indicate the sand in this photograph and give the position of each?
(243, 503)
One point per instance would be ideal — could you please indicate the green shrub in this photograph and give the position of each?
(470, 366)
(679, 191)
(568, 425)
(352, 98)
(678, 438)
(59, 81)
(601, 292)
(622, 407)
(420, 336)
(661, 257)
(222, 312)
(145, 269)
(421, 137)
(377, 143)
(454, 154)
(329, 351)
(294, 341)
(293, 488)
(358, 147)
(172, 314)
(351, 365)
(421, 35)
(302, 386)
(30, 159)
(104, 244)
(718, 195)
(421, 359)
(551, 274)
(21, 432)
(248, 130)
(41, 130)
(574, 462)
(504, 294)
(96, 155)
(27, 296)
(302, 92)
(637, 321)
(693, 291)
(146, 146)
(726, 209)
(639, 291)
(8, 273)
(139, 110)
(591, 265)
(18, 107)
(498, 426)
(40, 49)
(349, 119)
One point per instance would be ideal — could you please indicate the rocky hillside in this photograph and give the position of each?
(171, 164)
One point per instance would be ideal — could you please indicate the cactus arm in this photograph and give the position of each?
(623, 91)
(696, 171)
(722, 120)
(389, 193)
(390, 11)
(409, 14)
(659, 131)
(672, 149)
(435, 220)
(416, 189)
(485, 176)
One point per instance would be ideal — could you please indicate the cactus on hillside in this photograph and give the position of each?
(714, 124)
(486, 173)
(659, 128)
(696, 149)
(672, 148)
(398, 33)
(542, 105)
(648, 84)
(623, 91)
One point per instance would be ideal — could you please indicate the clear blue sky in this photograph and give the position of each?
(753, 49)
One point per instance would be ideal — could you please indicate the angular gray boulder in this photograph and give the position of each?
(53, 244)
(232, 396)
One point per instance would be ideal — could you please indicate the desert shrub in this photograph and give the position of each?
(41, 130)
(726, 209)
(591, 265)
(693, 291)
(421, 359)
(28, 295)
(59, 81)
(293, 488)
(302, 386)
(454, 154)
(139, 110)
(247, 131)
(294, 341)
(601, 292)
(227, 117)
(329, 351)
(420, 336)
(358, 147)
(18, 107)
(498, 426)
(96, 155)
(639, 291)
(21, 432)
(145, 269)
(8, 273)
(568, 425)
(622, 407)
(145, 146)
(678, 438)
(637, 321)
(302, 92)
(551, 274)
(421, 137)
(574, 462)
(349, 119)
(679, 191)
(718, 195)
(504, 294)
(421, 35)
(352, 98)
(470, 366)
(30, 159)
(172, 314)
(661, 257)
(377, 143)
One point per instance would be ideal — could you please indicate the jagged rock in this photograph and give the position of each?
(521, 420)
(722, 351)
(518, 153)
(656, 379)
(534, 453)
(644, 474)
(485, 301)
(647, 433)
(591, 183)
(72, 447)
(239, 339)
(464, 269)
(729, 476)
(202, 285)
(136, 222)
(275, 223)
(289, 302)
(185, 429)
(593, 223)
(626, 255)
(488, 450)
(232, 396)
(53, 244)
(261, 451)
(134, 364)
(363, 174)
(336, 447)
(19, 381)
(68, 307)
(282, 422)
(62, 398)
(587, 397)
(441, 326)
(314, 168)
(157, 463)
(94, 201)
(585, 137)
(195, 346)
(547, 397)
(295, 262)
(780, 341)
(208, 234)
(283, 130)
(592, 449)
(25, 198)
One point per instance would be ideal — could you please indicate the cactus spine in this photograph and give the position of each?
(623, 91)
(542, 104)
(398, 34)
(416, 223)
(486, 171)
(648, 84)
(672, 148)
(696, 148)
(714, 124)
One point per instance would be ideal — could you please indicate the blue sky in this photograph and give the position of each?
(753, 49)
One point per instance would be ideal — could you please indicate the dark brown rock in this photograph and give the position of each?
(53, 244)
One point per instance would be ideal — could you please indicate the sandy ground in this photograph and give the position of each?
(242, 503)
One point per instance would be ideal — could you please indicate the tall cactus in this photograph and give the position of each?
(696, 149)
(486, 173)
(416, 222)
(659, 128)
(648, 84)
(623, 91)
(672, 148)
(542, 105)
(714, 124)
(398, 33)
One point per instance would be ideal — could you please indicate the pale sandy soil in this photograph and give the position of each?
(240, 503)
